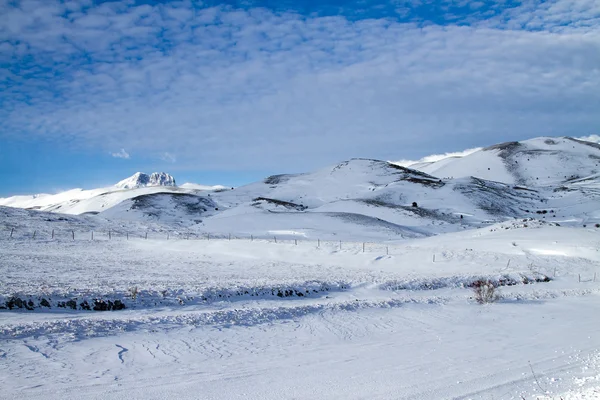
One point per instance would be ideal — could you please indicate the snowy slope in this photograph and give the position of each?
(371, 192)
(140, 179)
(173, 209)
(196, 186)
(45, 201)
(535, 162)
(79, 201)
(557, 179)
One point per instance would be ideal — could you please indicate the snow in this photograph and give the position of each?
(329, 284)
(374, 199)
(196, 186)
(223, 318)
(79, 201)
(140, 179)
(535, 162)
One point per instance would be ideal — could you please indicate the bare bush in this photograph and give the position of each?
(133, 292)
(485, 291)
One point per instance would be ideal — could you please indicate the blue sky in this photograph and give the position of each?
(229, 92)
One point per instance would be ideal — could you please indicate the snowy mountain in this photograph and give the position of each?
(535, 162)
(555, 179)
(139, 179)
(79, 201)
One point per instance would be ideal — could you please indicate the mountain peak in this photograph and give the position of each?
(140, 179)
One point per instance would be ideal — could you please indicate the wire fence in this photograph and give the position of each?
(103, 235)
(16, 234)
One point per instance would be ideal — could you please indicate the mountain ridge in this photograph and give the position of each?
(140, 179)
(556, 179)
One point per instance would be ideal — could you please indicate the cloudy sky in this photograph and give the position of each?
(229, 92)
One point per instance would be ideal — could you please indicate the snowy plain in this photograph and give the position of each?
(216, 319)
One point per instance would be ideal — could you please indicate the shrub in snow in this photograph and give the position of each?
(133, 292)
(414, 204)
(485, 292)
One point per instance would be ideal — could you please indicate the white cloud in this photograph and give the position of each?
(436, 157)
(168, 157)
(121, 154)
(232, 89)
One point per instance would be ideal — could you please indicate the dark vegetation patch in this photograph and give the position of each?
(151, 204)
(29, 303)
(414, 176)
(538, 152)
(287, 204)
(572, 178)
(506, 147)
(564, 189)
(467, 282)
(524, 188)
(282, 178)
(496, 198)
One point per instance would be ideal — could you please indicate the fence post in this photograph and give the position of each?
(252, 238)
(52, 233)
(275, 237)
(92, 235)
(109, 236)
(340, 244)
(387, 251)
(579, 277)
(296, 242)
(363, 247)
(594, 277)
(208, 236)
(318, 242)
(11, 232)
(434, 258)
(127, 235)
(167, 235)
(508, 263)
(146, 235)
(34, 234)
(230, 236)
(73, 232)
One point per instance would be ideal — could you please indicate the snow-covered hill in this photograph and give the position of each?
(535, 162)
(368, 192)
(556, 179)
(79, 201)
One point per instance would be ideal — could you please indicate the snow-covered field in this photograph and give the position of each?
(351, 282)
(225, 319)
